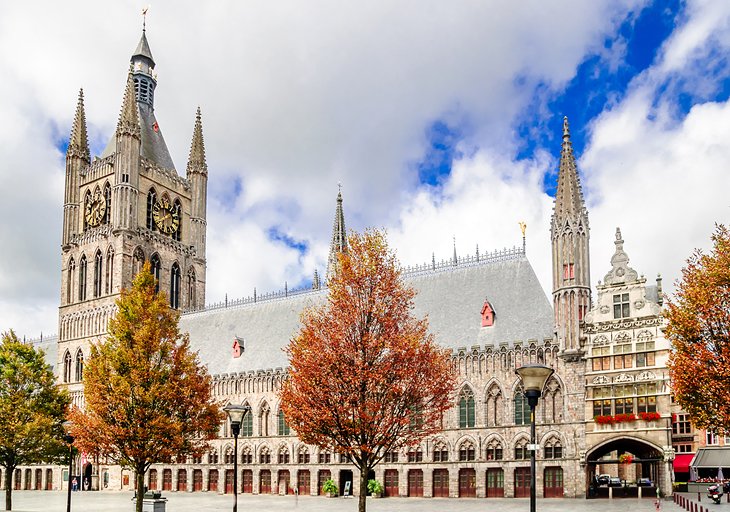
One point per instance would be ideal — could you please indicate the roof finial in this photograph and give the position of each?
(144, 17)
(456, 259)
(523, 228)
(566, 128)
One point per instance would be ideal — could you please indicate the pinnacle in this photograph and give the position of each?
(569, 196)
(339, 237)
(129, 117)
(196, 160)
(78, 144)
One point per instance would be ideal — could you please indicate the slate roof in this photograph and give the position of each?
(452, 298)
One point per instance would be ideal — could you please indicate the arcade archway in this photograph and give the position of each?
(633, 467)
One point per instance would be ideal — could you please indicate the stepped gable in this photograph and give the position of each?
(452, 297)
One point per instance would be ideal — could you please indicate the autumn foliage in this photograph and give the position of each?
(366, 377)
(699, 329)
(148, 399)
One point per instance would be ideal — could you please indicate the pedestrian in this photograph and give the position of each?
(658, 505)
(74, 485)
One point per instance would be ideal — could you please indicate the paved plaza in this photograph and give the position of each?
(55, 501)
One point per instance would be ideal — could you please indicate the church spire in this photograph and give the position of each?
(339, 237)
(196, 160)
(78, 144)
(569, 234)
(129, 118)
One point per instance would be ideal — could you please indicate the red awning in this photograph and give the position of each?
(681, 462)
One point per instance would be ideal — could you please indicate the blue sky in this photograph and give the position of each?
(441, 121)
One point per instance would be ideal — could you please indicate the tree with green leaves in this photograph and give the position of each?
(366, 376)
(32, 410)
(699, 329)
(148, 397)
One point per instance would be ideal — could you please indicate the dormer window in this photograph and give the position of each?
(487, 314)
(237, 347)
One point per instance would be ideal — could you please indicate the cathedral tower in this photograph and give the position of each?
(569, 233)
(339, 238)
(121, 209)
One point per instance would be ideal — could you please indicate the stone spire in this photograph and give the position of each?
(196, 160)
(620, 272)
(143, 49)
(129, 117)
(339, 237)
(78, 144)
(569, 195)
(570, 238)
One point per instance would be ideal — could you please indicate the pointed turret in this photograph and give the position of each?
(78, 144)
(128, 123)
(339, 237)
(143, 50)
(570, 240)
(196, 160)
(197, 174)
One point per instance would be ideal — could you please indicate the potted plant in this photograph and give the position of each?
(330, 488)
(375, 488)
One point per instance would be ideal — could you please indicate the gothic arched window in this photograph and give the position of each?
(70, 281)
(79, 366)
(265, 455)
(553, 448)
(493, 406)
(177, 208)
(98, 262)
(440, 452)
(283, 428)
(155, 266)
(466, 408)
(466, 451)
(87, 200)
(67, 367)
(264, 420)
(82, 278)
(228, 455)
(137, 261)
(522, 410)
(247, 424)
(108, 201)
(109, 271)
(494, 450)
(246, 455)
(283, 455)
(191, 289)
(175, 286)
(151, 200)
(303, 456)
(521, 451)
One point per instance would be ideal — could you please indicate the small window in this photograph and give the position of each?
(621, 306)
(467, 452)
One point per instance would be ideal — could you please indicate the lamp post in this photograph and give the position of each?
(533, 378)
(236, 413)
(69, 439)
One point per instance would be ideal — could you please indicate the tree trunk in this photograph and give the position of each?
(139, 477)
(362, 499)
(9, 488)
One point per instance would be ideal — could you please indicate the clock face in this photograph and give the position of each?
(95, 209)
(166, 216)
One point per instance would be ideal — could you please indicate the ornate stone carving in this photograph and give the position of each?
(624, 377)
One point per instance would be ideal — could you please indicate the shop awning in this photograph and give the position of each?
(681, 462)
(712, 457)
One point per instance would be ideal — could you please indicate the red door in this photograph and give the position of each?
(247, 478)
(415, 483)
(553, 482)
(303, 482)
(38, 479)
(182, 480)
(495, 483)
(283, 486)
(322, 477)
(229, 481)
(522, 483)
(265, 481)
(440, 483)
(197, 480)
(153, 480)
(467, 483)
(49, 479)
(391, 482)
(213, 480)
(166, 479)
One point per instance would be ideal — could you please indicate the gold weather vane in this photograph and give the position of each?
(144, 17)
(523, 228)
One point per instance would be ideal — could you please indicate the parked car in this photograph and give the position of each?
(615, 482)
(603, 479)
(644, 482)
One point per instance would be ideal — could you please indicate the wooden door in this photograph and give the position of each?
(467, 483)
(322, 477)
(265, 481)
(38, 479)
(153, 480)
(495, 483)
(49, 479)
(415, 483)
(166, 479)
(228, 489)
(553, 487)
(303, 486)
(283, 482)
(247, 479)
(522, 483)
(213, 480)
(440, 483)
(182, 480)
(391, 482)
(197, 480)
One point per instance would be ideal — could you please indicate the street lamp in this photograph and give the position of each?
(69, 439)
(236, 413)
(533, 378)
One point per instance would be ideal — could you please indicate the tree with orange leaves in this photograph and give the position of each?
(365, 376)
(699, 329)
(148, 398)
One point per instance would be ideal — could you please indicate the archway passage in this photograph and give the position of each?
(623, 467)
